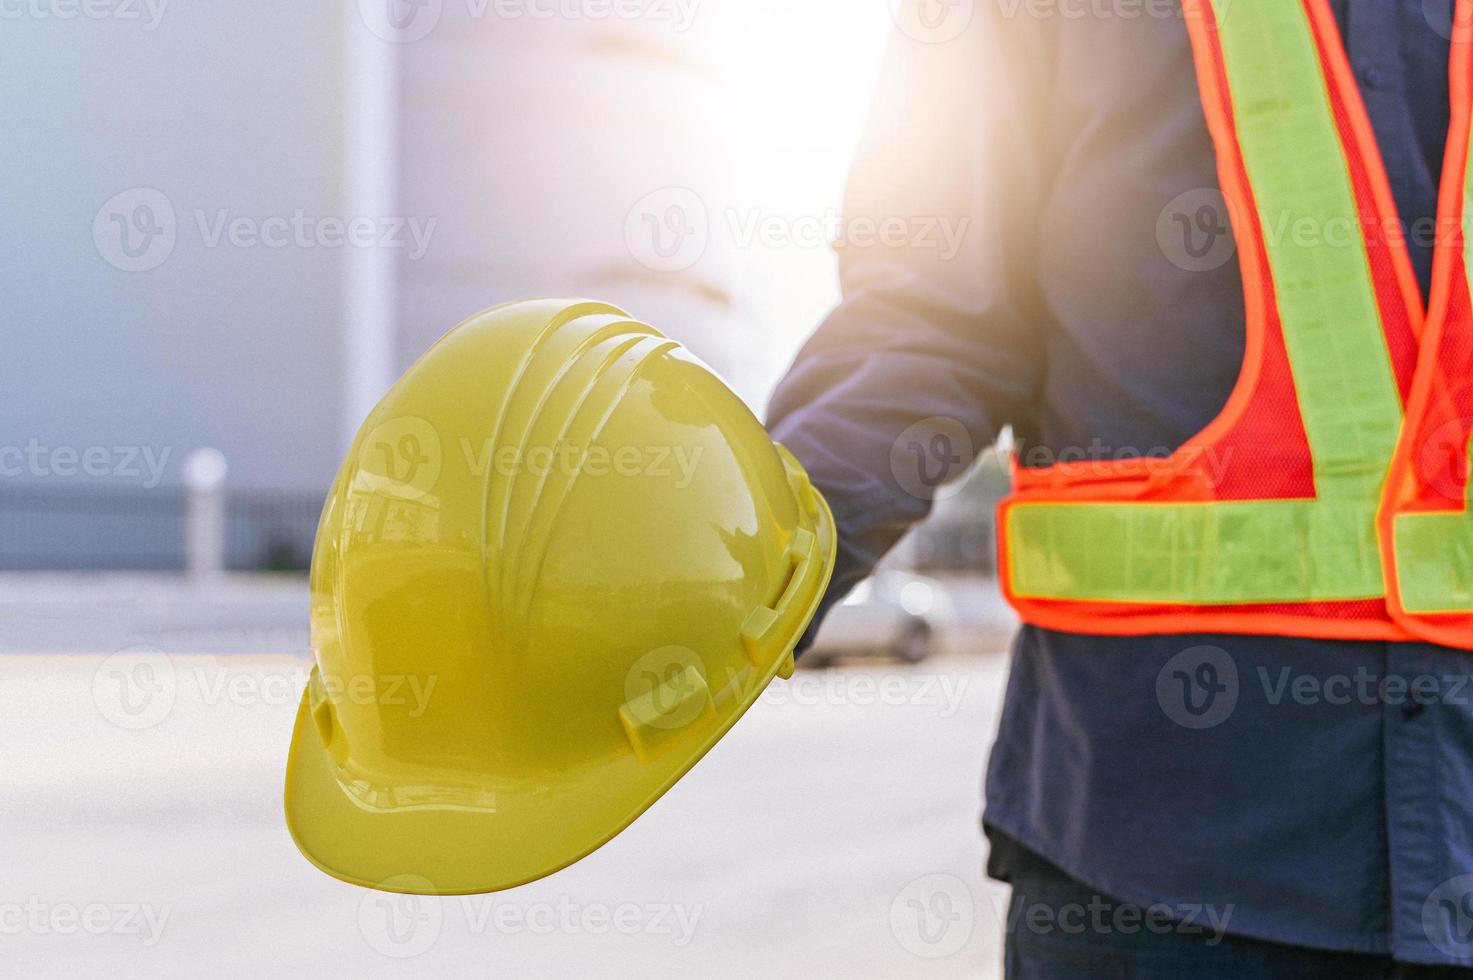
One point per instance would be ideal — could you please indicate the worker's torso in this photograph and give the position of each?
(1327, 498)
(1303, 786)
(1127, 372)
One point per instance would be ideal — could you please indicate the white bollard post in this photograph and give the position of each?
(204, 513)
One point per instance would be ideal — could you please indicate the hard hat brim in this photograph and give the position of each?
(446, 851)
(529, 835)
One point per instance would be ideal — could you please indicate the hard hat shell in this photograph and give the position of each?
(561, 560)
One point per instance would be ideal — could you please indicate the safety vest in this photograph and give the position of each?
(1331, 497)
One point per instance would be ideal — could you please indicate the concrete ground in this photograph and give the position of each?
(833, 833)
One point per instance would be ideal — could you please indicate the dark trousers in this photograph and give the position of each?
(1059, 929)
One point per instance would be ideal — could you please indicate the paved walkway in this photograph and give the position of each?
(832, 834)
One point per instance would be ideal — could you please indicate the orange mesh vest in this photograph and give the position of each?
(1330, 498)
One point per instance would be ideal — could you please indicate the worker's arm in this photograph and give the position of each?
(936, 327)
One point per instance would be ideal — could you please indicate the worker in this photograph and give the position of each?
(1213, 281)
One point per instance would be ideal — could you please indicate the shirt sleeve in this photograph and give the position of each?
(933, 347)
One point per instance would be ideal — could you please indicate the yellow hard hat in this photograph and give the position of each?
(561, 560)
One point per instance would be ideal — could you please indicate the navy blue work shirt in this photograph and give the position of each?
(1321, 791)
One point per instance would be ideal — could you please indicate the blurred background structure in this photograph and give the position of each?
(231, 226)
(227, 228)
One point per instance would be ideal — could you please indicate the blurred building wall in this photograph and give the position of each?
(629, 157)
(137, 324)
(538, 146)
(220, 112)
(177, 186)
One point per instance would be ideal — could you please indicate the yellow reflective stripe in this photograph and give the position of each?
(1262, 551)
(1332, 324)
(1434, 562)
(1201, 553)
(1434, 552)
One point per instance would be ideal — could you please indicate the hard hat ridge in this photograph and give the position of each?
(558, 421)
